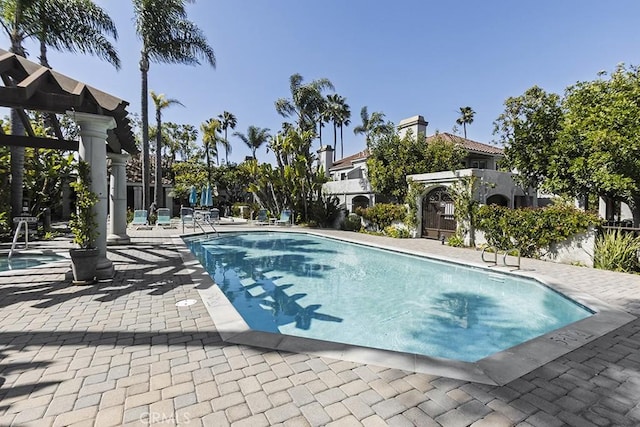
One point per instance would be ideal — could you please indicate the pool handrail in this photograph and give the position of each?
(15, 237)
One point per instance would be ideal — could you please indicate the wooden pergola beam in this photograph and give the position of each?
(38, 142)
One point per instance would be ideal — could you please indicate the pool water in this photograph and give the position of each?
(320, 288)
(23, 261)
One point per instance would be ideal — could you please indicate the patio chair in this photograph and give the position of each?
(139, 218)
(262, 218)
(164, 218)
(214, 216)
(285, 218)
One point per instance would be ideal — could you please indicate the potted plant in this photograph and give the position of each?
(84, 227)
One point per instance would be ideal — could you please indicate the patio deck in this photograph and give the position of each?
(122, 353)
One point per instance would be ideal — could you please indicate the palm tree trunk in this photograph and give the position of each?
(158, 193)
(17, 165)
(464, 126)
(335, 140)
(341, 144)
(144, 102)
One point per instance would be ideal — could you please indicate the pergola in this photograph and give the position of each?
(105, 132)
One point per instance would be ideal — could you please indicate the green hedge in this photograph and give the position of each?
(531, 230)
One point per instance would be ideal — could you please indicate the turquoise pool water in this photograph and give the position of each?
(308, 286)
(22, 261)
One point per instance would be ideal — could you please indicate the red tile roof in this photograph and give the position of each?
(468, 144)
(347, 161)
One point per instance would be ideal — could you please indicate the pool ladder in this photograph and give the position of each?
(506, 253)
(197, 222)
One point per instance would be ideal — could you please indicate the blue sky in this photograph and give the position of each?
(402, 58)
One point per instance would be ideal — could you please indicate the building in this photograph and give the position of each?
(348, 180)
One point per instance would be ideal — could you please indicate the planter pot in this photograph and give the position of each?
(83, 264)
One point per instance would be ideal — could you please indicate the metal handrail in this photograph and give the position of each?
(506, 253)
(495, 254)
(504, 257)
(15, 237)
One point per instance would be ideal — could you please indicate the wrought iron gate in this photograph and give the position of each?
(437, 214)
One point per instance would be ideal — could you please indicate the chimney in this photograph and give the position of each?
(417, 124)
(325, 158)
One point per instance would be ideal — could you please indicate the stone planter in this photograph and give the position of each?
(83, 264)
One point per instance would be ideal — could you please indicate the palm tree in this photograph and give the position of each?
(344, 119)
(254, 138)
(466, 117)
(228, 121)
(371, 125)
(306, 101)
(210, 130)
(339, 113)
(161, 102)
(74, 25)
(168, 37)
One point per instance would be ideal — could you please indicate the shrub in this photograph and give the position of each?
(455, 241)
(396, 232)
(383, 215)
(617, 251)
(324, 212)
(532, 230)
(352, 223)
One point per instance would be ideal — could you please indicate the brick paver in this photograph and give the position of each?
(122, 352)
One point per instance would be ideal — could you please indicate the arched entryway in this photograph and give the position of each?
(359, 202)
(437, 214)
(498, 199)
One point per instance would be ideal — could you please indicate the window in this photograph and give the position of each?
(479, 164)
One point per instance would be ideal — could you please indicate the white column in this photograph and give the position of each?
(93, 149)
(117, 232)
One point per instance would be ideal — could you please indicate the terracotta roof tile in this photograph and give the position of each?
(347, 161)
(468, 144)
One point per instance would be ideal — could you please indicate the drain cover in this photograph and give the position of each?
(186, 302)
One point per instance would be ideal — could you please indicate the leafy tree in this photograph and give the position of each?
(167, 37)
(188, 174)
(393, 158)
(185, 136)
(232, 181)
(306, 101)
(528, 129)
(466, 118)
(229, 121)
(72, 25)
(294, 183)
(372, 125)
(161, 102)
(254, 139)
(599, 146)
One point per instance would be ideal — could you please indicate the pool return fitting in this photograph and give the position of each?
(495, 251)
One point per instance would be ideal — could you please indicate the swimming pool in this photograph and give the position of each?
(297, 284)
(27, 260)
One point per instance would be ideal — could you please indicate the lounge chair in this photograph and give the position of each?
(164, 218)
(214, 216)
(285, 218)
(139, 218)
(262, 218)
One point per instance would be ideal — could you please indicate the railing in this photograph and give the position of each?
(493, 250)
(15, 237)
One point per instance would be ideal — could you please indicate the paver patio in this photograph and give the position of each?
(122, 353)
